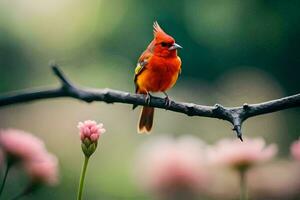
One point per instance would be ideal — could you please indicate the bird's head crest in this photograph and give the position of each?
(162, 44)
(159, 33)
(157, 29)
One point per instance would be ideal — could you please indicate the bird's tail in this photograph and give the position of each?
(146, 120)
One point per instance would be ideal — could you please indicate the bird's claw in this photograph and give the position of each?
(148, 98)
(167, 102)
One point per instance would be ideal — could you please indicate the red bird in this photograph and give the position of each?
(157, 71)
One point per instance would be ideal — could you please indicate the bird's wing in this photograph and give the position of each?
(180, 70)
(141, 66)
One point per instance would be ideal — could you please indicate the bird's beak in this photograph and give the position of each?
(175, 46)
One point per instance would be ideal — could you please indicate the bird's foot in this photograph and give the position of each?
(148, 98)
(167, 101)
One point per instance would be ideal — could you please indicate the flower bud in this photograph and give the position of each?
(89, 132)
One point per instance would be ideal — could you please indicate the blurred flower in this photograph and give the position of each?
(238, 154)
(295, 150)
(169, 167)
(21, 145)
(32, 154)
(40, 165)
(89, 132)
(241, 156)
(44, 170)
(276, 180)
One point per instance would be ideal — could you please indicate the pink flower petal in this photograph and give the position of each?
(44, 170)
(94, 137)
(295, 150)
(21, 144)
(235, 153)
(91, 130)
(86, 131)
(167, 163)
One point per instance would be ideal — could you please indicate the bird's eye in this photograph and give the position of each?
(163, 44)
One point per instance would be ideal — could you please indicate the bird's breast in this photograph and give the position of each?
(160, 74)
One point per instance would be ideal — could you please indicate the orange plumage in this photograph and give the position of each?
(157, 71)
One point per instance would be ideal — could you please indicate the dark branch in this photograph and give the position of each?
(64, 81)
(235, 115)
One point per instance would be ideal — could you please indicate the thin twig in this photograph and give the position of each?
(235, 115)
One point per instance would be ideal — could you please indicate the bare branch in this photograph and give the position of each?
(63, 79)
(235, 115)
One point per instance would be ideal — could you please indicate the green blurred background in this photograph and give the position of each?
(233, 52)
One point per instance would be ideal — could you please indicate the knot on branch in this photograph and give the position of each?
(190, 109)
(107, 96)
(246, 106)
(219, 109)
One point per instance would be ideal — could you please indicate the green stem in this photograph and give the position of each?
(243, 185)
(5, 177)
(82, 177)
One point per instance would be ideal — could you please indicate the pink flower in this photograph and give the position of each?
(91, 130)
(238, 154)
(276, 180)
(20, 144)
(167, 166)
(44, 170)
(40, 165)
(295, 150)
